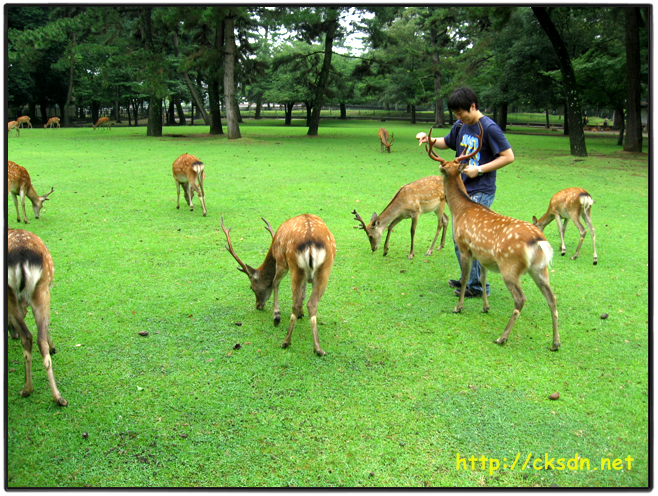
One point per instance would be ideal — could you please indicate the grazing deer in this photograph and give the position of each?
(570, 203)
(305, 246)
(188, 171)
(24, 119)
(52, 122)
(19, 183)
(501, 244)
(102, 122)
(420, 197)
(383, 138)
(13, 125)
(30, 272)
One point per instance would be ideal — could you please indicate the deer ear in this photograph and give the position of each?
(462, 167)
(534, 220)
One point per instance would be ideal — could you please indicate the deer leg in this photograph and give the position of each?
(467, 265)
(189, 194)
(18, 213)
(312, 306)
(298, 279)
(178, 194)
(16, 321)
(587, 215)
(483, 282)
(41, 311)
(414, 223)
(388, 234)
(22, 194)
(514, 287)
(202, 194)
(278, 276)
(561, 229)
(541, 280)
(439, 215)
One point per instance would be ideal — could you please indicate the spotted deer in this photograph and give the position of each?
(570, 203)
(501, 244)
(11, 126)
(383, 138)
(24, 119)
(53, 121)
(420, 197)
(103, 122)
(304, 246)
(30, 272)
(189, 171)
(19, 183)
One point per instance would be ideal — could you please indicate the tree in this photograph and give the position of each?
(572, 110)
(633, 142)
(229, 78)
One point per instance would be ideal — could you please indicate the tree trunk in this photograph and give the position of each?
(70, 92)
(413, 114)
(155, 117)
(548, 120)
(503, 117)
(323, 78)
(343, 111)
(633, 142)
(572, 110)
(619, 117)
(288, 119)
(259, 104)
(215, 111)
(171, 113)
(179, 108)
(229, 78)
(309, 109)
(190, 87)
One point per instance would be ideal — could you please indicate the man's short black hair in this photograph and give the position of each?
(462, 98)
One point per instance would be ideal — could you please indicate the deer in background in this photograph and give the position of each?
(420, 197)
(570, 203)
(383, 138)
(24, 119)
(52, 122)
(189, 171)
(11, 125)
(102, 122)
(501, 244)
(30, 272)
(19, 183)
(304, 246)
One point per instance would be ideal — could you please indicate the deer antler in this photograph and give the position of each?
(391, 142)
(430, 150)
(243, 267)
(45, 197)
(358, 217)
(268, 227)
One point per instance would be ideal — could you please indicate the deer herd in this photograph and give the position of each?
(305, 247)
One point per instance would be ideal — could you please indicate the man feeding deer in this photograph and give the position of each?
(480, 175)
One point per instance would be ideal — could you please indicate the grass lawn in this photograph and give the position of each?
(407, 388)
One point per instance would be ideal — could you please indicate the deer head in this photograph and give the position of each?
(261, 282)
(453, 167)
(374, 230)
(38, 205)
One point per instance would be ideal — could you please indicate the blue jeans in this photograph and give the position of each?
(473, 283)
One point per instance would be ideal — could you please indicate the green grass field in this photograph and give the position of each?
(407, 387)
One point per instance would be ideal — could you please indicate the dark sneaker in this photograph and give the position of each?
(470, 293)
(454, 284)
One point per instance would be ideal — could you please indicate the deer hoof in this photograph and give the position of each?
(429, 252)
(574, 257)
(457, 310)
(485, 310)
(61, 401)
(277, 320)
(555, 347)
(500, 341)
(204, 214)
(595, 262)
(563, 253)
(320, 352)
(24, 393)
(285, 345)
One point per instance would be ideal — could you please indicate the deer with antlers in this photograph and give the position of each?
(11, 126)
(189, 171)
(30, 272)
(24, 119)
(103, 122)
(19, 183)
(501, 244)
(304, 246)
(420, 197)
(385, 144)
(570, 203)
(53, 121)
